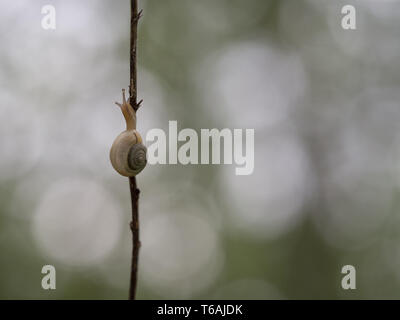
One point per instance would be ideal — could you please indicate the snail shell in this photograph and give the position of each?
(128, 154)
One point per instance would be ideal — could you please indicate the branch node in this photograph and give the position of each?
(138, 16)
(138, 104)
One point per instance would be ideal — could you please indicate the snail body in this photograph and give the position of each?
(128, 155)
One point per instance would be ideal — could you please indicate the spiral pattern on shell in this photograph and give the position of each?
(137, 158)
(128, 154)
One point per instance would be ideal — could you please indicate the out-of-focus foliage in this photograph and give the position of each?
(324, 103)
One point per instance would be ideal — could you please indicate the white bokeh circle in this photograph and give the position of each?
(77, 222)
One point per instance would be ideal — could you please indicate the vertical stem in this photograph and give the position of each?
(132, 180)
(132, 56)
(135, 236)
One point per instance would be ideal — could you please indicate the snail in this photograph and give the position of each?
(128, 154)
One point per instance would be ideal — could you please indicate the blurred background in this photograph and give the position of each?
(324, 103)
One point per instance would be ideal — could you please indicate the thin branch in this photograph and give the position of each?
(132, 180)
(135, 236)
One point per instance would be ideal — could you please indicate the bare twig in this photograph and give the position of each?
(132, 180)
(135, 236)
